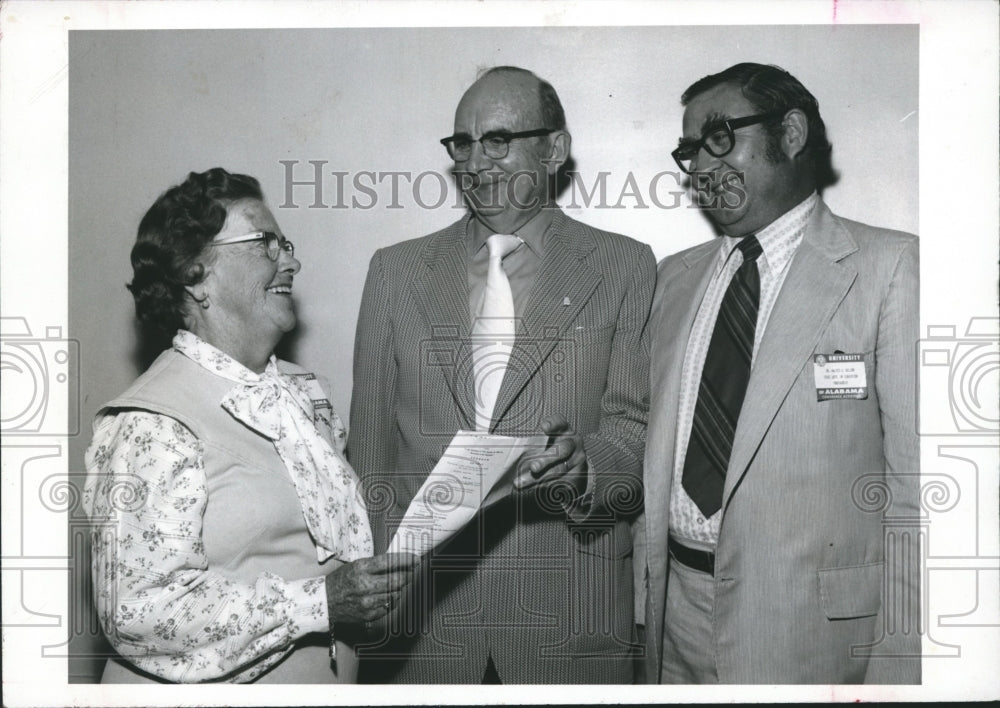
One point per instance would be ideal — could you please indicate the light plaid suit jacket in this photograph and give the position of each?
(550, 600)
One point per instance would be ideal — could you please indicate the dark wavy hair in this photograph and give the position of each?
(771, 88)
(171, 236)
(553, 114)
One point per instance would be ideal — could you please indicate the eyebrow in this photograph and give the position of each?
(713, 119)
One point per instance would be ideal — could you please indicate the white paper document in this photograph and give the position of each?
(472, 466)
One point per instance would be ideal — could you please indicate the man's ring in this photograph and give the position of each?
(387, 604)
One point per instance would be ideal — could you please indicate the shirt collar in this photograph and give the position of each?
(780, 238)
(532, 233)
(218, 362)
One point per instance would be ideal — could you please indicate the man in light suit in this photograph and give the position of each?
(538, 588)
(781, 471)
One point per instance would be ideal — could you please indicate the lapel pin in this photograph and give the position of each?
(565, 301)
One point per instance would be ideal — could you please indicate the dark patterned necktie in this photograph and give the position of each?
(723, 385)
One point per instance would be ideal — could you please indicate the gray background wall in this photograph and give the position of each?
(146, 107)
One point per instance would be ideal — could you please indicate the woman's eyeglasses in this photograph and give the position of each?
(274, 243)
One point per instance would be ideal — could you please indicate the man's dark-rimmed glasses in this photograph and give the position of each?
(718, 139)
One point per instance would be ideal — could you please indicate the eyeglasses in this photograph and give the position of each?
(718, 139)
(274, 243)
(495, 143)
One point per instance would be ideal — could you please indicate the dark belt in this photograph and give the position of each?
(692, 558)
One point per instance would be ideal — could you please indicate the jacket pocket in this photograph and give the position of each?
(851, 591)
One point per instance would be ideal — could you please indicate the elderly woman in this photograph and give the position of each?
(230, 534)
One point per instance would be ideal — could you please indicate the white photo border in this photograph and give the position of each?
(958, 100)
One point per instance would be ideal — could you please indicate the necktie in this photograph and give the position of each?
(723, 385)
(493, 330)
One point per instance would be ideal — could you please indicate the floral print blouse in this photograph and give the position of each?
(160, 605)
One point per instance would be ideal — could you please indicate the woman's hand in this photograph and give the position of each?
(367, 589)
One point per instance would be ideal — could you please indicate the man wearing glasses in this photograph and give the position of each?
(516, 320)
(782, 399)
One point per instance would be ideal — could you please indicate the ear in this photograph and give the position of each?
(196, 275)
(559, 144)
(198, 293)
(796, 134)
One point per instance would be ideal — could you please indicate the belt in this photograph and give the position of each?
(692, 558)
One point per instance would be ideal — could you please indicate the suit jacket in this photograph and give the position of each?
(816, 563)
(548, 598)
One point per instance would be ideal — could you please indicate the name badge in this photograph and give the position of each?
(840, 376)
(316, 392)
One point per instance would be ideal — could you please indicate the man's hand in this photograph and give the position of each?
(562, 461)
(368, 589)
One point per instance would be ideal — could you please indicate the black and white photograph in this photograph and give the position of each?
(356, 347)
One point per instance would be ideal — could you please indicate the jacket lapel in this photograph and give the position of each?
(813, 290)
(563, 276)
(441, 291)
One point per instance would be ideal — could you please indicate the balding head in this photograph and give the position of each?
(513, 95)
(552, 114)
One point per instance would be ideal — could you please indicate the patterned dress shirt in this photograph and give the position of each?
(779, 241)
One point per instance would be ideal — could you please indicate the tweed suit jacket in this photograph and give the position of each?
(548, 598)
(814, 582)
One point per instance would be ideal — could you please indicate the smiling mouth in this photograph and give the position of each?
(485, 193)
(280, 289)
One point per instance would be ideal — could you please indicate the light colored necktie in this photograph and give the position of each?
(493, 331)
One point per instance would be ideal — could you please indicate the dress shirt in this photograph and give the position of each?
(779, 241)
(521, 265)
(161, 582)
